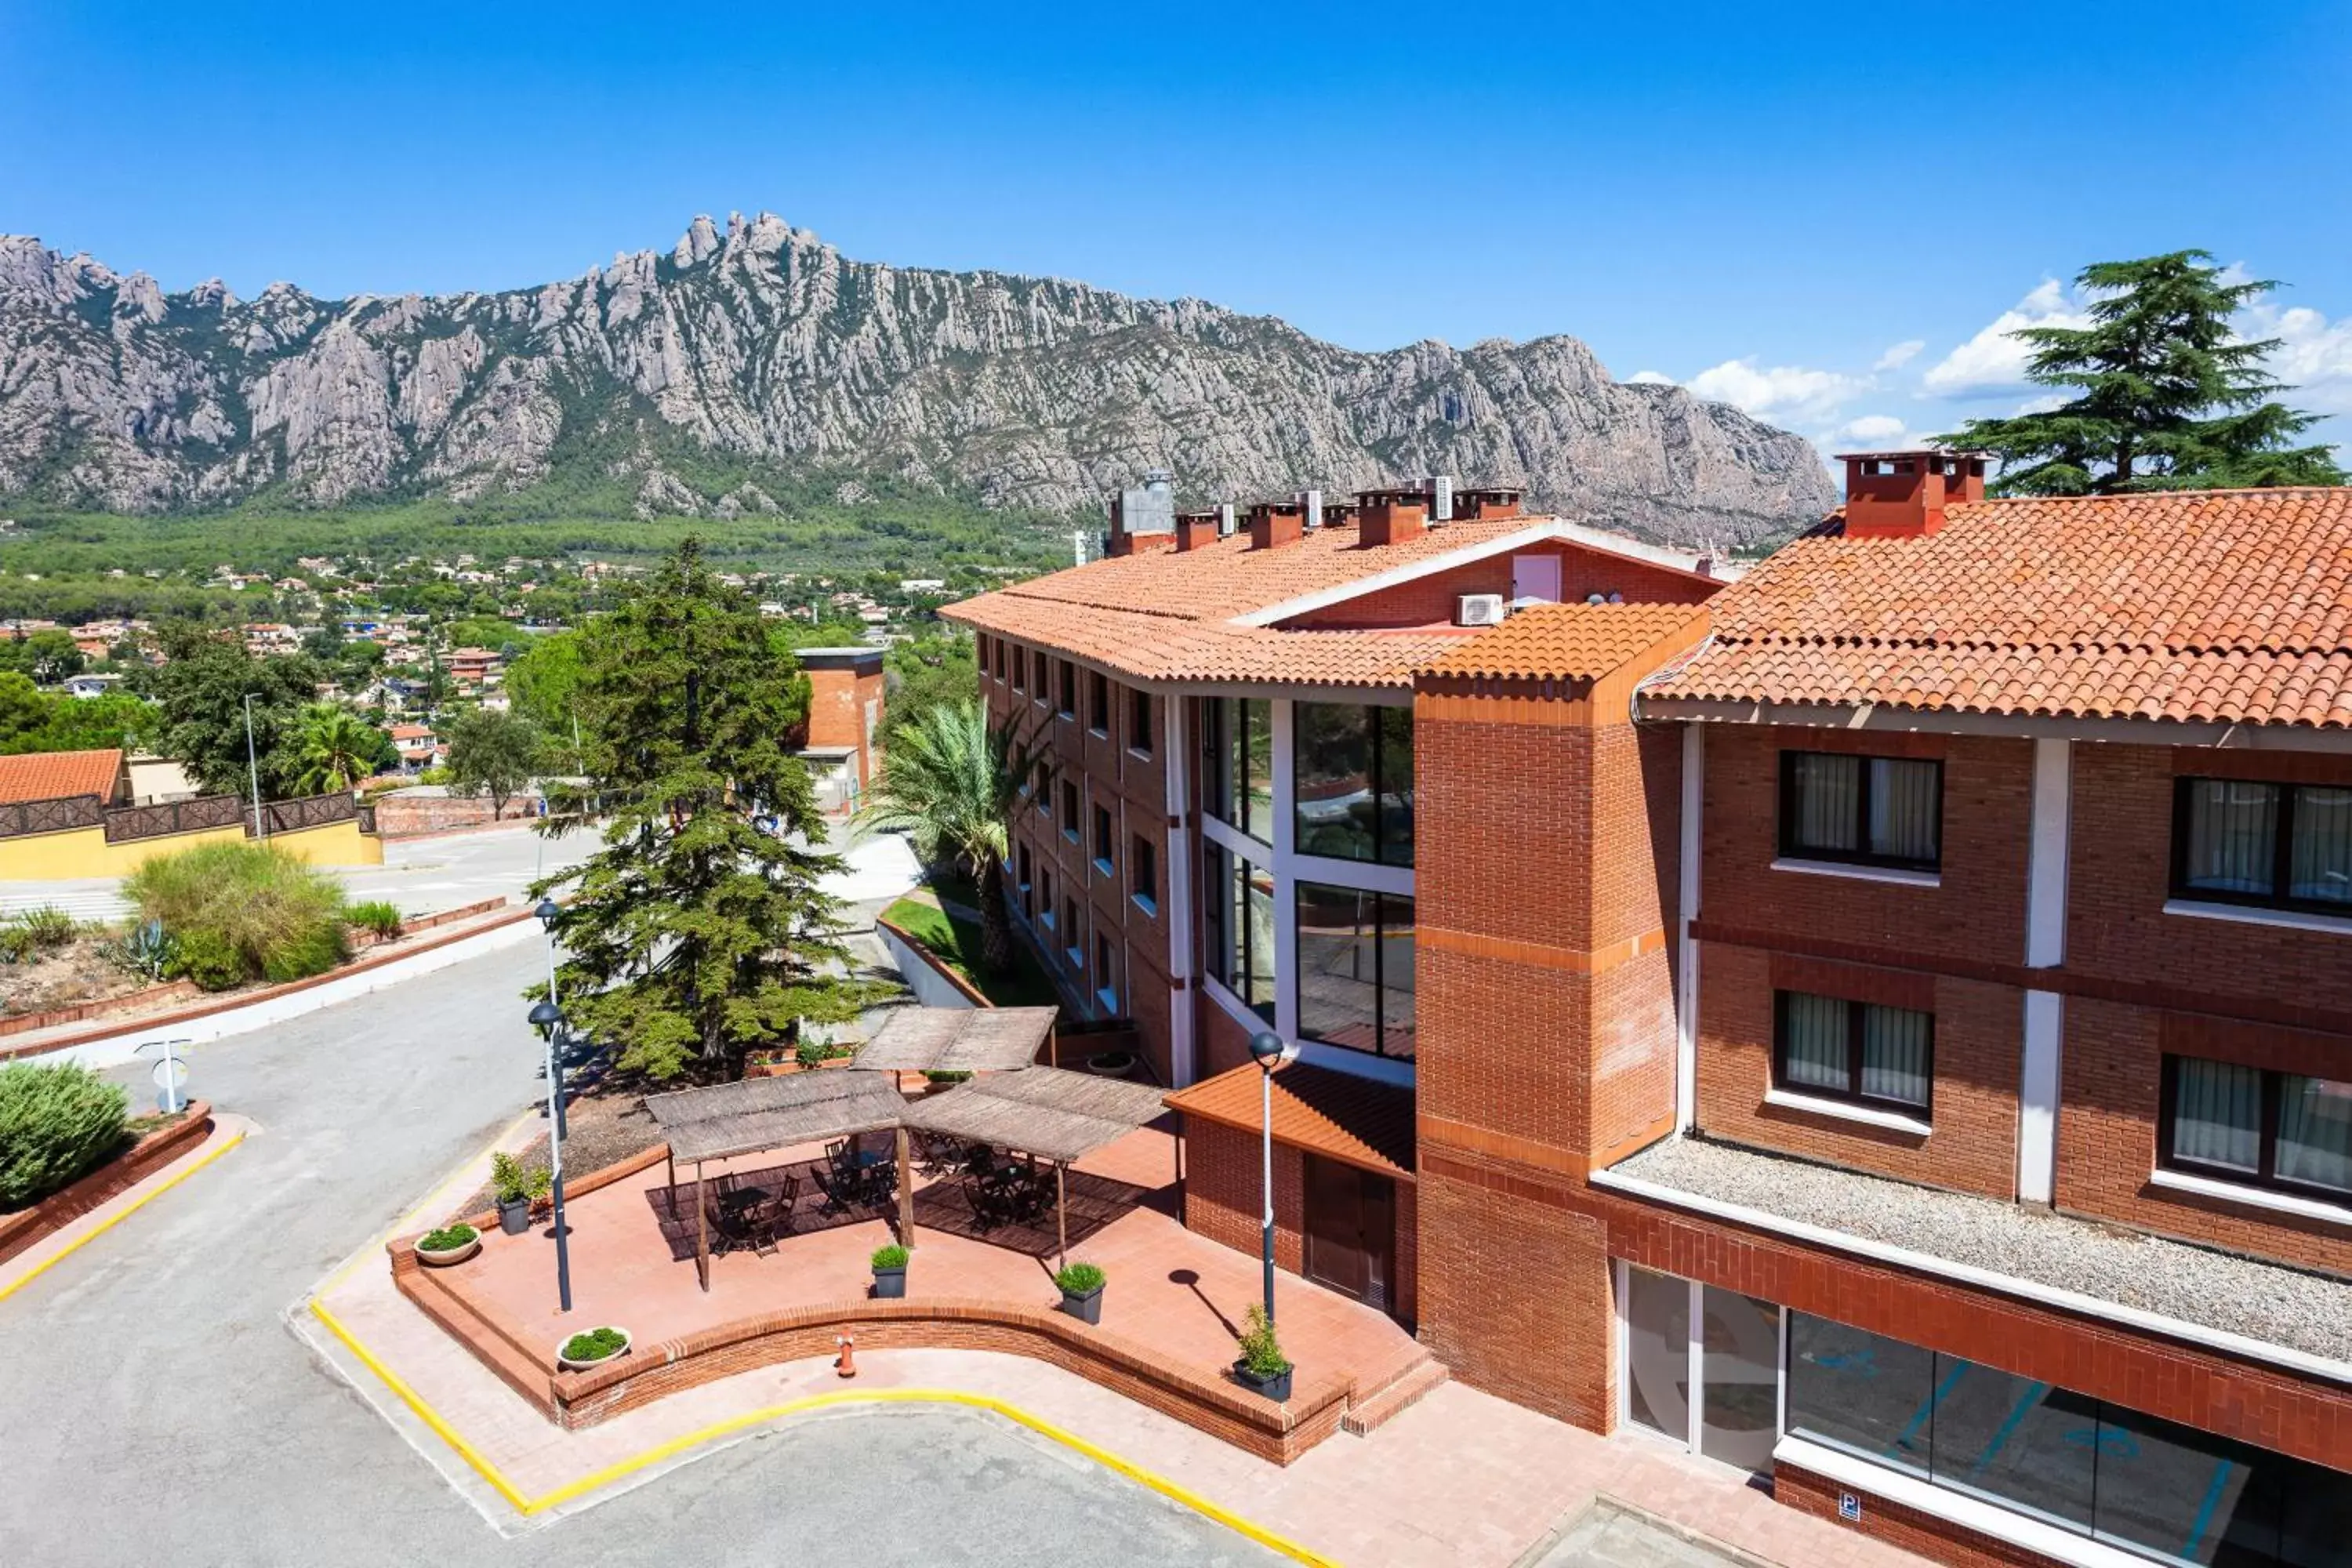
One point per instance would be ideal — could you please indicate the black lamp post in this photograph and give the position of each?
(548, 1019)
(1267, 1049)
(547, 911)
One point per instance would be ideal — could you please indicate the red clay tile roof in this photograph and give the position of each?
(1177, 615)
(2212, 606)
(1567, 642)
(1352, 1119)
(54, 775)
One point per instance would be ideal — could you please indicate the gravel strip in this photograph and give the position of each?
(2264, 1302)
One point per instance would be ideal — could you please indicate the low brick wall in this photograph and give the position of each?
(129, 1001)
(653, 1370)
(142, 1160)
(1915, 1532)
(406, 816)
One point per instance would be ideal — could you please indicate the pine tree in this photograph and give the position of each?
(2168, 396)
(699, 930)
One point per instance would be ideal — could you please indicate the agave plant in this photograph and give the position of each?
(145, 949)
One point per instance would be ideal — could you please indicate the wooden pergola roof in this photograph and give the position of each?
(957, 1040)
(743, 1117)
(1051, 1112)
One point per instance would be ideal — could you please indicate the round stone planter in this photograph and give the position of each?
(1111, 1064)
(568, 1364)
(443, 1258)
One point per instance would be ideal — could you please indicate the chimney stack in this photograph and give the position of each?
(1196, 529)
(1311, 503)
(1143, 518)
(1484, 504)
(1391, 517)
(1902, 495)
(1224, 519)
(1275, 524)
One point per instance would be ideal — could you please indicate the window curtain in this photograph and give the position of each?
(1814, 1053)
(1829, 800)
(2217, 1114)
(1903, 808)
(2315, 1134)
(2232, 828)
(2319, 862)
(1894, 1054)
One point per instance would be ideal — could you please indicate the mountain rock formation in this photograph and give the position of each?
(762, 345)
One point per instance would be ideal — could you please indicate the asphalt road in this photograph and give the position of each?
(155, 1407)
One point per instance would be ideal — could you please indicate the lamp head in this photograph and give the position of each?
(547, 910)
(546, 1016)
(1267, 1049)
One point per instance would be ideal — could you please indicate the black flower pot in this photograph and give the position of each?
(889, 1284)
(514, 1219)
(1276, 1388)
(1086, 1307)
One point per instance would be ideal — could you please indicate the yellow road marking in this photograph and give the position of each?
(733, 1423)
(117, 1217)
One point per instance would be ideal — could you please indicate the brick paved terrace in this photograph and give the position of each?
(1169, 1313)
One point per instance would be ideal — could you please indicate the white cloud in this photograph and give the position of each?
(1994, 360)
(1776, 391)
(2314, 355)
(1900, 354)
(1652, 378)
(1870, 427)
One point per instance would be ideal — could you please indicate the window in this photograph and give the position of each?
(1020, 667)
(1028, 904)
(1238, 767)
(1143, 873)
(1045, 897)
(1237, 917)
(2171, 1493)
(1070, 936)
(1853, 1051)
(1044, 773)
(1138, 719)
(1068, 707)
(1069, 811)
(1355, 969)
(1868, 811)
(979, 652)
(1099, 702)
(1102, 839)
(1352, 774)
(2285, 845)
(1037, 674)
(2280, 1130)
(1106, 971)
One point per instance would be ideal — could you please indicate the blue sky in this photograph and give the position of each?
(1817, 213)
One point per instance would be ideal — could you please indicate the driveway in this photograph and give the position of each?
(160, 1410)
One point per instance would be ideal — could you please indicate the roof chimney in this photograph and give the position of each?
(1311, 503)
(1486, 502)
(1145, 517)
(1275, 524)
(1391, 517)
(1902, 495)
(1196, 529)
(1224, 517)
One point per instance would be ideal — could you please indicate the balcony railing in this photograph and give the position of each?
(18, 818)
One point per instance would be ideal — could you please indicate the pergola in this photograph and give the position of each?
(958, 1039)
(1048, 1113)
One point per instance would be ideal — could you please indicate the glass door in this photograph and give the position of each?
(1715, 1390)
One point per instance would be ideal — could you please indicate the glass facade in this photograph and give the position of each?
(2170, 1493)
(1238, 920)
(1237, 772)
(1355, 969)
(1352, 773)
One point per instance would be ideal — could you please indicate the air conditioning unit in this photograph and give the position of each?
(1478, 610)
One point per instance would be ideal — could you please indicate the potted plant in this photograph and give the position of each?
(1082, 1288)
(515, 1189)
(1263, 1366)
(889, 1272)
(587, 1349)
(450, 1243)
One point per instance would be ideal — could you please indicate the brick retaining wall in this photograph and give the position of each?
(144, 1158)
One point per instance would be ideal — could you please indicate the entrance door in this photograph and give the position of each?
(1351, 1231)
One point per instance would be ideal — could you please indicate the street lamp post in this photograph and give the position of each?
(548, 1019)
(253, 770)
(1267, 1049)
(547, 911)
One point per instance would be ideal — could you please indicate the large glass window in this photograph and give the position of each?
(1740, 1376)
(2282, 1130)
(1237, 738)
(1238, 921)
(2169, 1492)
(1352, 772)
(2285, 845)
(1860, 1051)
(1355, 969)
(1657, 1352)
(1870, 811)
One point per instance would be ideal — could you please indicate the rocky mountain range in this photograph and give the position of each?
(757, 347)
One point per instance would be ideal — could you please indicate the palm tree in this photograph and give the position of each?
(952, 786)
(334, 748)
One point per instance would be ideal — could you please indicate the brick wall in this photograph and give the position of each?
(1222, 1201)
(1429, 601)
(1899, 1526)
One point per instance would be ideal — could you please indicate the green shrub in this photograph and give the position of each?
(1261, 1351)
(58, 1121)
(808, 1053)
(512, 1183)
(146, 949)
(593, 1345)
(891, 1257)
(447, 1237)
(377, 917)
(47, 926)
(936, 1077)
(1079, 1279)
(242, 911)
